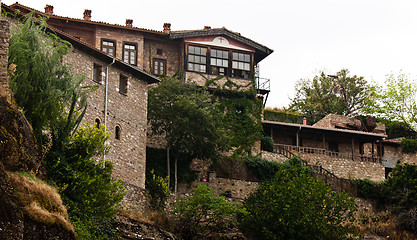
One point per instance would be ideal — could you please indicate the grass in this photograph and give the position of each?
(39, 200)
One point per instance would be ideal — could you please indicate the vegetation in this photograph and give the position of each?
(341, 94)
(281, 115)
(158, 190)
(185, 116)
(396, 101)
(202, 214)
(54, 103)
(409, 146)
(267, 144)
(295, 205)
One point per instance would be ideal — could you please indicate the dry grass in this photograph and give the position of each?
(39, 200)
(382, 224)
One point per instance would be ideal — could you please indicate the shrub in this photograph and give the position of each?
(409, 146)
(367, 188)
(295, 205)
(158, 190)
(267, 144)
(203, 214)
(400, 190)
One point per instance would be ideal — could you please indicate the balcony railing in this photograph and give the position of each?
(263, 84)
(324, 152)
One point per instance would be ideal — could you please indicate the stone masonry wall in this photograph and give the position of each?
(342, 168)
(170, 52)
(4, 53)
(201, 81)
(125, 111)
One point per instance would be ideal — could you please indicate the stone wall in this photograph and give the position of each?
(162, 50)
(200, 80)
(342, 168)
(4, 54)
(126, 111)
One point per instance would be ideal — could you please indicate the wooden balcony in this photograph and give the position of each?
(297, 150)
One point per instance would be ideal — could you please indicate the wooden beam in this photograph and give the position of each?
(324, 141)
(353, 148)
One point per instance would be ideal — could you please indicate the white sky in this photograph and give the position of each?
(371, 38)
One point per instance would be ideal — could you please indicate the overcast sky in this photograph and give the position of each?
(371, 38)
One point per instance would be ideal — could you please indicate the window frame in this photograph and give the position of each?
(229, 70)
(158, 60)
(212, 67)
(114, 46)
(196, 55)
(135, 45)
(97, 76)
(118, 132)
(125, 84)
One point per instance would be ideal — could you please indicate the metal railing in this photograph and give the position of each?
(324, 152)
(263, 84)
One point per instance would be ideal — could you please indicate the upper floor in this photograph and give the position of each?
(197, 55)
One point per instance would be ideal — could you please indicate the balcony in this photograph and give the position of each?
(297, 150)
(263, 85)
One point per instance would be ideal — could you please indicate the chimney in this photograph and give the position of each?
(167, 28)
(49, 10)
(129, 22)
(304, 121)
(87, 15)
(207, 27)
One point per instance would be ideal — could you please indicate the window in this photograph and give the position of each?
(197, 59)
(129, 53)
(219, 62)
(159, 51)
(97, 124)
(159, 67)
(108, 47)
(97, 73)
(117, 133)
(123, 84)
(241, 65)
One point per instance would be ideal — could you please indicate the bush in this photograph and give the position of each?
(295, 205)
(367, 188)
(409, 146)
(158, 190)
(203, 214)
(400, 190)
(267, 144)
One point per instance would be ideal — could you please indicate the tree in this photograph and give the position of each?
(49, 94)
(396, 100)
(324, 94)
(203, 214)
(295, 205)
(184, 114)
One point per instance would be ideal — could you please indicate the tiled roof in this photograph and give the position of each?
(18, 6)
(220, 31)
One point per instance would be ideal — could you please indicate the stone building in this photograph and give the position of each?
(344, 146)
(195, 55)
(119, 103)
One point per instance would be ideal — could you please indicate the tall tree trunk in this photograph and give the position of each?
(176, 174)
(168, 168)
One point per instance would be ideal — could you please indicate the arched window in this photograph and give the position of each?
(97, 124)
(117, 133)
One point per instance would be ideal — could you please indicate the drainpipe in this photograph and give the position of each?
(105, 102)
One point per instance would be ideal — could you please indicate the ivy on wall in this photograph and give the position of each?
(282, 116)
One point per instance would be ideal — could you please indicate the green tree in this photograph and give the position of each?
(396, 100)
(49, 94)
(400, 191)
(295, 205)
(324, 94)
(203, 214)
(184, 114)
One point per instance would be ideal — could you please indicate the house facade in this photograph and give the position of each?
(344, 146)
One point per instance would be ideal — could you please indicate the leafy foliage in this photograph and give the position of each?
(396, 129)
(341, 94)
(397, 100)
(41, 84)
(158, 190)
(281, 116)
(367, 188)
(267, 144)
(409, 146)
(203, 214)
(295, 205)
(86, 185)
(266, 170)
(400, 190)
